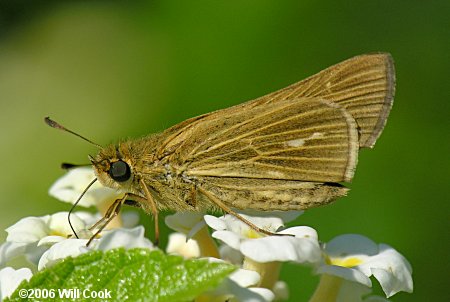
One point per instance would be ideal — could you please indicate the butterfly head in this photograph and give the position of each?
(113, 169)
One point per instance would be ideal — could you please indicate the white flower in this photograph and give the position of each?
(10, 279)
(128, 238)
(264, 254)
(61, 250)
(10, 250)
(31, 236)
(88, 218)
(180, 245)
(354, 258)
(302, 247)
(40, 230)
(194, 227)
(240, 286)
(69, 188)
(130, 219)
(231, 255)
(251, 294)
(232, 231)
(188, 223)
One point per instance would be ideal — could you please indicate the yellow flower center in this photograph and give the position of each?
(344, 262)
(252, 234)
(57, 233)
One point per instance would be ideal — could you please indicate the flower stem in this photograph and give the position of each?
(208, 247)
(327, 290)
(269, 271)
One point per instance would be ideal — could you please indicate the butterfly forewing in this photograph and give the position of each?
(300, 139)
(364, 85)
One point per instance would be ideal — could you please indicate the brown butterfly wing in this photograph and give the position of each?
(305, 139)
(303, 132)
(364, 85)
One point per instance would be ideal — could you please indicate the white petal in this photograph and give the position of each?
(228, 237)
(50, 240)
(183, 222)
(215, 223)
(10, 280)
(84, 234)
(245, 278)
(234, 224)
(130, 219)
(271, 224)
(69, 188)
(351, 292)
(391, 283)
(242, 294)
(128, 238)
(88, 217)
(349, 274)
(351, 244)
(230, 254)
(28, 230)
(59, 223)
(263, 292)
(188, 223)
(11, 250)
(391, 269)
(282, 248)
(178, 244)
(61, 250)
(301, 232)
(234, 288)
(34, 253)
(196, 228)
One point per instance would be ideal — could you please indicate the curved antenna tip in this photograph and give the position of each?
(56, 125)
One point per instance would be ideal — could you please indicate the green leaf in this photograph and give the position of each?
(128, 275)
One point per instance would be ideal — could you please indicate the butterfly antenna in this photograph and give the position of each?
(75, 204)
(56, 125)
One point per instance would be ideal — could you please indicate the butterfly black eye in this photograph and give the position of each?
(120, 171)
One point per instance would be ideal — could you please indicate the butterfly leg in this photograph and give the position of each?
(154, 210)
(228, 210)
(110, 214)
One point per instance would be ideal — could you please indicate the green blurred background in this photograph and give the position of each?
(110, 70)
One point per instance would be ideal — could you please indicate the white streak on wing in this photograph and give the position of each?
(276, 173)
(296, 142)
(315, 135)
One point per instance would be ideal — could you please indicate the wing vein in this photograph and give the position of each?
(246, 134)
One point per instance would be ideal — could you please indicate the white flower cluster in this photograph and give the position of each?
(346, 263)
